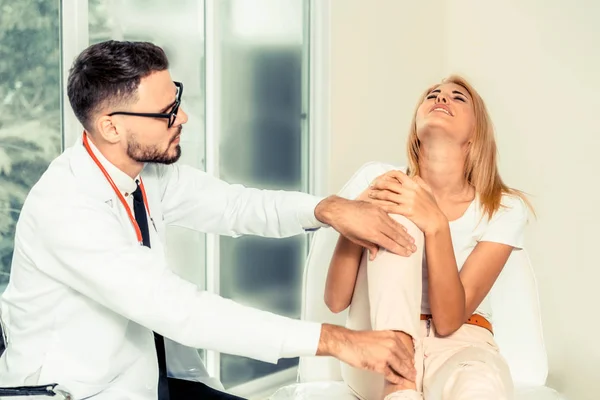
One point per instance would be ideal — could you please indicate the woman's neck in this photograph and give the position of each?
(441, 166)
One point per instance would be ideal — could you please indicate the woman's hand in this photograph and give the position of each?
(399, 194)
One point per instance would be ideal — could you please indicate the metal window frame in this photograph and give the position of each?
(74, 38)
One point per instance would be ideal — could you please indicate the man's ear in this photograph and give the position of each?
(107, 130)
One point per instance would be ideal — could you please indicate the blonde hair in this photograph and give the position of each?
(481, 170)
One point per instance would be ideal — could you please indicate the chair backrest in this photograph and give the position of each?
(2, 344)
(514, 301)
(517, 320)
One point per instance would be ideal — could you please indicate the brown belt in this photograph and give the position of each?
(474, 319)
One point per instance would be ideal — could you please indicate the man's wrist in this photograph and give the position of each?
(306, 213)
(332, 340)
(325, 209)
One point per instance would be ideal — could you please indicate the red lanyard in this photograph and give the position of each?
(117, 191)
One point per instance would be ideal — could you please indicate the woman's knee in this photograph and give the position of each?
(412, 229)
(385, 268)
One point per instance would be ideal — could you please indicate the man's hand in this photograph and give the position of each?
(378, 351)
(365, 224)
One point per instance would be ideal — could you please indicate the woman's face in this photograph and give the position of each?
(447, 111)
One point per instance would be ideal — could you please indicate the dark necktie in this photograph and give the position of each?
(139, 209)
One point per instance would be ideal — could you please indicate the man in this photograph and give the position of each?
(91, 299)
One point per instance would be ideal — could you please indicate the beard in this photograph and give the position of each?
(152, 154)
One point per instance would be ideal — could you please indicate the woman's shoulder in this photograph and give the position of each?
(513, 211)
(361, 179)
(512, 203)
(507, 224)
(373, 169)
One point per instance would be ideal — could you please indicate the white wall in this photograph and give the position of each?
(537, 65)
(382, 58)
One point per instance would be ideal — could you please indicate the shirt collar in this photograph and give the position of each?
(123, 181)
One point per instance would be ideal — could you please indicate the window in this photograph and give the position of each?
(30, 108)
(256, 105)
(180, 32)
(244, 65)
(261, 107)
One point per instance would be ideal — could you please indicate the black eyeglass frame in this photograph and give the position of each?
(171, 116)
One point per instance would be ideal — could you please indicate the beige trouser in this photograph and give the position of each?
(463, 366)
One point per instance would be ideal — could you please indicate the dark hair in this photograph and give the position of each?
(109, 73)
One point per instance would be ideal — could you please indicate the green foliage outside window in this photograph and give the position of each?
(30, 118)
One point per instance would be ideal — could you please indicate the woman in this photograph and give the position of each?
(465, 223)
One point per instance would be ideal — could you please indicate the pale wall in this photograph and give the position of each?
(382, 58)
(537, 65)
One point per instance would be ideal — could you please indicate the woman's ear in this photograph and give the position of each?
(468, 146)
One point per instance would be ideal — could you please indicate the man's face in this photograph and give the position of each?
(150, 139)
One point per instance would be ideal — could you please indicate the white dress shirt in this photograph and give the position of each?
(84, 296)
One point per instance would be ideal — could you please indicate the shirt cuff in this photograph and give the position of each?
(306, 214)
(302, 339)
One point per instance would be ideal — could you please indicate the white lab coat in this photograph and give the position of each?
(84, 296)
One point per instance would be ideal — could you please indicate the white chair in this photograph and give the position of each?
(514, 298)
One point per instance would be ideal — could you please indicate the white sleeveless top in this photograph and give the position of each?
(506, 226)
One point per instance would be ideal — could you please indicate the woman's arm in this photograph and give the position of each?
(343, 268)
(454, 300)
(342, 273)
(454, 296)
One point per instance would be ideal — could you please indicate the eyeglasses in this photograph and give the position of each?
(171, 116)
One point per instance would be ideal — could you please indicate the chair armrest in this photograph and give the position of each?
(49, 390)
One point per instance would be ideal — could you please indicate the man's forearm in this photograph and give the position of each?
(196, 200)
